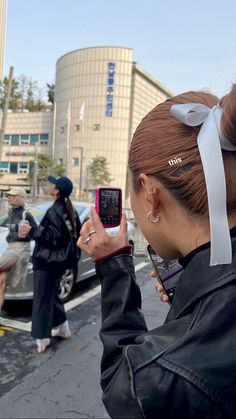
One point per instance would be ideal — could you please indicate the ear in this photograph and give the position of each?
(152, 192)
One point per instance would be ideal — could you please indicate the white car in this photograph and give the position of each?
(85, 268)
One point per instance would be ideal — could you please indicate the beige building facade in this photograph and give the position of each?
(26, 135)
(3, 16)
(101, 95)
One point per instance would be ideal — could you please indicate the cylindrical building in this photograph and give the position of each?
(100, 97)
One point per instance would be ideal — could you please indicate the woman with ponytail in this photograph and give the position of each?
(53, 254)
(182, 163)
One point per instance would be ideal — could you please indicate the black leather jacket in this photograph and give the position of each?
(185, 369)
(52, 235)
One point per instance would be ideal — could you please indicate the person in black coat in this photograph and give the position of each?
(54, 252)
(182, 163)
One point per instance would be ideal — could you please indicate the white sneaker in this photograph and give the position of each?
(60, 334)
(42, 344)
(62, 331)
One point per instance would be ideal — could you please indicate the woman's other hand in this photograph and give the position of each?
(159, 288)
(95, 241)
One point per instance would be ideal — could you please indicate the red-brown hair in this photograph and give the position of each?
(160, 137)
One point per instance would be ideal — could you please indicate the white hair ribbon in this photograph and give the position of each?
(210, 141)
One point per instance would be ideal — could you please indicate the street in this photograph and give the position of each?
(64, 381)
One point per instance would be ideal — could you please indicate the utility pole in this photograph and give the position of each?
(35, 174)
(5, 110)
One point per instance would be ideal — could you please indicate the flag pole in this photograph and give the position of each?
(81, 143)
(68, 139)
(54, 130)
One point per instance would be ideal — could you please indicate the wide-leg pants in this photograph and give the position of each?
(48, 310)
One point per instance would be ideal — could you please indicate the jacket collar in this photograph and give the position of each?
(59, 203)
(199, 278)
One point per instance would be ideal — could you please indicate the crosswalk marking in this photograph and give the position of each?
(16, 324)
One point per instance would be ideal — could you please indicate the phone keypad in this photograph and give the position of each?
(109, 219)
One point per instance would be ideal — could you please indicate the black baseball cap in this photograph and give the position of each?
(63, 184)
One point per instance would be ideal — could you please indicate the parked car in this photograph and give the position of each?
(85, 268)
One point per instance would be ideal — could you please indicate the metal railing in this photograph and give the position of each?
(140, 241)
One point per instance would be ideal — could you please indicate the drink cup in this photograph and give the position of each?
(21, 224)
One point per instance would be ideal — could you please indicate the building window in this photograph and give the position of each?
(43, 138)
(24, 139)
(60, 161)
(20, 167)
(15, 140)
(13, 168)
(4, 167)
(77, 127)
(34, 138)
(62, 130)
(75, 161)
(7, 139)
(23, 167)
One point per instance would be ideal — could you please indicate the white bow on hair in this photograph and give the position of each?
(210, 142)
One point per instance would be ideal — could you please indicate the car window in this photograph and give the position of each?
(4, 221)
(37, 212)
(80, 209)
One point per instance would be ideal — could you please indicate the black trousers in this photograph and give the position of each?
(48, 310)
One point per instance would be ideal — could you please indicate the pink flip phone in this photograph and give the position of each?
(109, 205)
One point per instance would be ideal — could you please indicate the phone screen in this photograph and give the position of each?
(168, 272)
(108, 205)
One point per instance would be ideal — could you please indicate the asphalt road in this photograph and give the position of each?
(64, 381)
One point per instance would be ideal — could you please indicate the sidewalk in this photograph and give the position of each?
(64, 382)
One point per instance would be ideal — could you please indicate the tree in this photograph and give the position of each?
(99, 172)
(46, 167)
(22, 91)
(30, 95)
(14, 96)
(25, 94)
(51, 92)
(39, 103)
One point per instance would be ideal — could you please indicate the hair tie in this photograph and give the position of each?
(210, 142)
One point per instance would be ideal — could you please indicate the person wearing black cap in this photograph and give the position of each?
(54, 252)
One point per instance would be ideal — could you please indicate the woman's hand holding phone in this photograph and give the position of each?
(95, 241)
(159, 288)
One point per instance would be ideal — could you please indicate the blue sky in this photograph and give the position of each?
(186, 45)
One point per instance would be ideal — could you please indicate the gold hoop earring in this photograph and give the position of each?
(152, 221)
